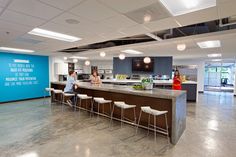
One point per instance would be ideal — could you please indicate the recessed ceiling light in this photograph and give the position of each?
(102, 54)
(53, 35)
(147, 60)
(214, 55)
(181, 47)
(147, 18)
(79, 57)
(209, 44)
(87, 63)
(130, 51)
(65, 58)
(16, 50)
(180, 7)
(122, 56)
(75, 60)
(216, 60)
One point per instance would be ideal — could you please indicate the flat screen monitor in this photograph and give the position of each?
(138, 65)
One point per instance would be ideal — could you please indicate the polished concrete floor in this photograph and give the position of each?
(32, 129)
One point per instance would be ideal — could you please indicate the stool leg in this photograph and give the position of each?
(155, 127)
(138, 121)
(122, 117)
(111, 122)
(168, 139)
(91, 111)
(148, 124)
(76, 102)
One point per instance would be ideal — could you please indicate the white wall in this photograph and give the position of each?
(200, 71)
(52, 61)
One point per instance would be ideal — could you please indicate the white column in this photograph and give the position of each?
(235, 83)
(200, 76)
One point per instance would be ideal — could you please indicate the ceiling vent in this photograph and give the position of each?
(150, 13)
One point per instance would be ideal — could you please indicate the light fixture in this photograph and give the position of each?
(216, 60)
(87, 63)
(102, 54)
(209, 44)
(53, 35)
(181, 47)
(122, 56)
(147, 18)
(130, 51)
(75, 60)
(16, 49)
(154, 36)
(214, 55)
(180, 7)
(147, 60)
(79, 57)
(65, 58)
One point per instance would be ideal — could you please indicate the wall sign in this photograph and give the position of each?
(22, 76)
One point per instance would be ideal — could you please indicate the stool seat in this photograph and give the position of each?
(101, 100)
(146, 109)
(57, 91)
(84, 96)
(123, 105)
(49, 89)
(158, 113)
(68, 94)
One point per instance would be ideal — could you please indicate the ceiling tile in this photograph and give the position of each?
(135, 30)
(125, 6)
(12, 26)
(62, 4)
(34, 8)
(162, 24)
(93, 10)
(54, 27)
(227, 9)
(198, 17)
(3, 3)
(118, 22)
(21, 18)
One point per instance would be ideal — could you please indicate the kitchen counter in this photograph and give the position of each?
(156, 93)
(162, 82)
(172, 101)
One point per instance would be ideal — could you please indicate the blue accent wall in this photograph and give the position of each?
(162, 66)
(22, 76)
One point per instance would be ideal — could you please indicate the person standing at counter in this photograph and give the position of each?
(177, 81)
(95, 78)
(70, 86)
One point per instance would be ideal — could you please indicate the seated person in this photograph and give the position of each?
(95, 78)
(70, 85)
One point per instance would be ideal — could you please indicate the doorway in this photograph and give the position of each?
(219, 76)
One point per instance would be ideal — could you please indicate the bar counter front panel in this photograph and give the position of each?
(174, 103)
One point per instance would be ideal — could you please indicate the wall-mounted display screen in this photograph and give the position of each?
(139, 65)
(22, 76)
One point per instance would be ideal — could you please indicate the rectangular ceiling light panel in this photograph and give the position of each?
(10, 49)
(53, 35)
(130, 51)
(180, 7)
(209, 44)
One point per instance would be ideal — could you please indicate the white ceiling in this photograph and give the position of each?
(101, 20)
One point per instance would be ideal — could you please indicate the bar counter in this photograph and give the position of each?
(161, 99)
